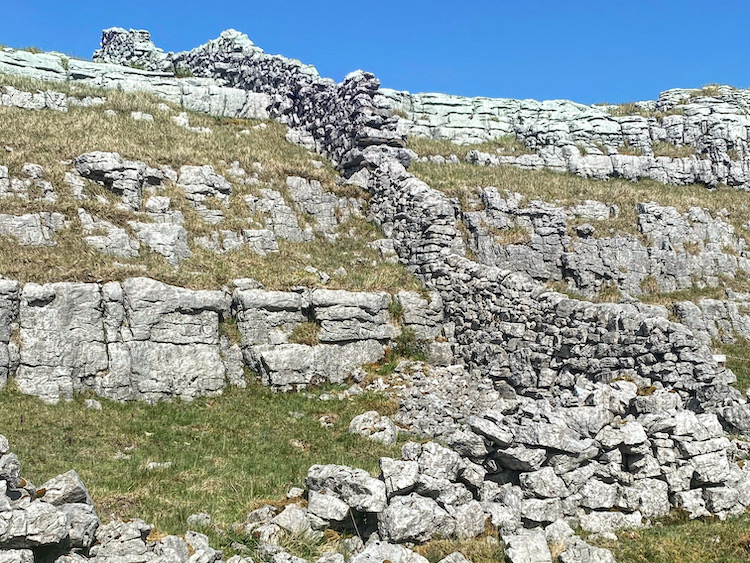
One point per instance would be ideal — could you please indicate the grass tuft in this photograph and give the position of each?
(305, 333)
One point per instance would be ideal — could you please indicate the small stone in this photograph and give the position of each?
(92, 404)
(295, 493)
(153, 465)
(199, 520)
(374, 427)
(141, 116)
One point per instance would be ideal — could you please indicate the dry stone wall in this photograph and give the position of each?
(337, 120)
(512, 328)
(600, 416)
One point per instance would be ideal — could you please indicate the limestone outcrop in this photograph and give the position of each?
(293, 339)
(560, 412)
(671, 251)
(596, 141)
(137, 340)
(145, 340)
(194, 94)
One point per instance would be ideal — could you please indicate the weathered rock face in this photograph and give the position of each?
(32, 229)
(351, 328)
(194, 94)
(682, 249)
(713, 124)
(162, 341)
(8, 326)
(717, 320)
(137, 340)
(62, 339)
(144, 340)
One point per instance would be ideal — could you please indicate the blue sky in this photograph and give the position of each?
(588, 51)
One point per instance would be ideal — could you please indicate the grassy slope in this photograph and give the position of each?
(228, 453)
(681, 541)
(465, 181)
(53, 139)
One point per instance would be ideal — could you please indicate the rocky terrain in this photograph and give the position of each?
(539, 413)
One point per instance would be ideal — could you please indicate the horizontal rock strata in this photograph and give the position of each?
(194, 94)
(144, 340)
(591, 141)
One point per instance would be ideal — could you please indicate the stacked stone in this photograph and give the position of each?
(428, 494)
(57, 522)
(616, 460)
(337, 120)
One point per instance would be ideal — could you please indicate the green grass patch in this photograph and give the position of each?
(228, 453)
(678, 540)
(305, 333)
(738, 360)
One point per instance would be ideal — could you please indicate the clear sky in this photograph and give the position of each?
(589, 51)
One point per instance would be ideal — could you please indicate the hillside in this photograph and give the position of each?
(227, 283)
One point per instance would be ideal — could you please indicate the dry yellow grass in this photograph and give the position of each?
(465, 181)
(54, 139)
